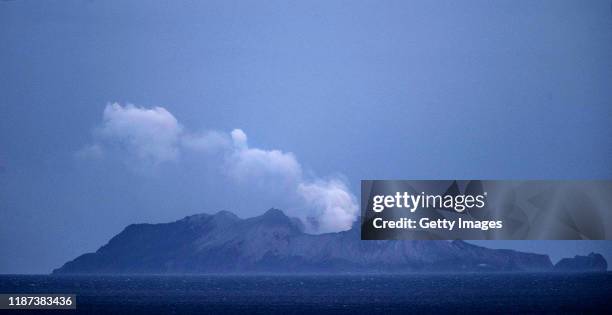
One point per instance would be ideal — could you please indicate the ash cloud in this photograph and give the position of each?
(145, 138)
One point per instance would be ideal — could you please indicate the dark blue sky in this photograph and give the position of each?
(354, 90)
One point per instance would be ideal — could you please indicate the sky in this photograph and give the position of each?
(117, 112)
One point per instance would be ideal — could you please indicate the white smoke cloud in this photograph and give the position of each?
(239, 139)
(206, 142)
(247, 164)
(151, 137)
(335, 207)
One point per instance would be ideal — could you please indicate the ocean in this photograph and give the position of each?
(522, 293)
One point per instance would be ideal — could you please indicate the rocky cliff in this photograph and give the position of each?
(273, 242)
(591, 262)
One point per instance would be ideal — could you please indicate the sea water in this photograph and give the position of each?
(335, 294)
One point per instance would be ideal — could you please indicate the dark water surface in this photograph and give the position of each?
(352, 294)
